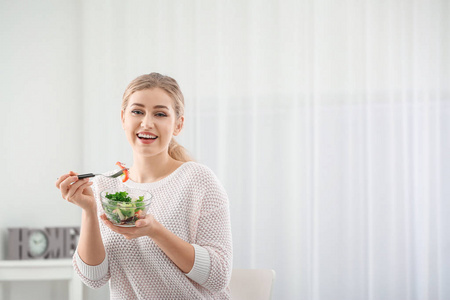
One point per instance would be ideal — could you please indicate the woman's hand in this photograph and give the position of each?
(76, 191)
(144, 227)
(179, 251)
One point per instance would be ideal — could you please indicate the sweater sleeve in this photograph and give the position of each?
(213, 240)
(92, 276)
(202, 265)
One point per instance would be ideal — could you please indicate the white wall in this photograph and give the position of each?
(40, 98)
(41, 128)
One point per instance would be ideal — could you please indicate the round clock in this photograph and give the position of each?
(37, 243)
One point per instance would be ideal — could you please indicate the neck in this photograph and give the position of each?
(152, 168)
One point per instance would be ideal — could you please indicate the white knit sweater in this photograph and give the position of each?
(192, 204)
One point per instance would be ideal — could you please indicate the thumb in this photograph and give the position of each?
(140, 223)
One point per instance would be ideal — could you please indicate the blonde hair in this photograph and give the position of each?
(171, 87)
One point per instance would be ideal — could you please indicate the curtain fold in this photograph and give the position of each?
(326, 121)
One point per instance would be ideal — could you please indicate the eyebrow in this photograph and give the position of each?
(156, 106)
(161, 106)
(137, 104)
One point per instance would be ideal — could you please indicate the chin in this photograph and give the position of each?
(148, 152)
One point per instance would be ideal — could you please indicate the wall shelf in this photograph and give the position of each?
(39, 270)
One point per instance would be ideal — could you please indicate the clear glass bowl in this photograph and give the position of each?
(125, 214)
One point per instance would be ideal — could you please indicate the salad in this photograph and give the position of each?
(123, 209)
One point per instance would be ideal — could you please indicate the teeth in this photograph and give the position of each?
(146, 136)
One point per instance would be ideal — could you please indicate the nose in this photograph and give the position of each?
(147, 121)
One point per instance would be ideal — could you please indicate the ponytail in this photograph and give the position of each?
(178, 152)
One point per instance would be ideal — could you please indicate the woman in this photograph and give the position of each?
(182, 249)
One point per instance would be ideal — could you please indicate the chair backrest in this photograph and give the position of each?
(252, 284)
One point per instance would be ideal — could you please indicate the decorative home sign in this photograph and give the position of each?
(42, 243)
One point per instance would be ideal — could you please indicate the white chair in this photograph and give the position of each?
(252, 284)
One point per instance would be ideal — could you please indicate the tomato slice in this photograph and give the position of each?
(126, 176)
(121, 165)
(125, 171)
(139, 214)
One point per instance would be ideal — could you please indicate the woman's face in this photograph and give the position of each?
(150, 121)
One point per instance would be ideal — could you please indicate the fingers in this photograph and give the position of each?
(148, 220)
(61, 179)
(122, 231)
(141, 223)
(70, 185)
(65, 184)
(77, 188)
(108, 223)
(64, 177)
(128, 233)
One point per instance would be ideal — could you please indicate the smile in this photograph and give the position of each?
(146, 136)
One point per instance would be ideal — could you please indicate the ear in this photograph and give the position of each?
(122, 118)
(178, 126)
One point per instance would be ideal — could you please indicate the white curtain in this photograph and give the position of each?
(326, 121)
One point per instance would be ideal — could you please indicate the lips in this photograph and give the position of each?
(146, 137)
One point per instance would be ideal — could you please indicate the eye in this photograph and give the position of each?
(160, 114)
(137, 112)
